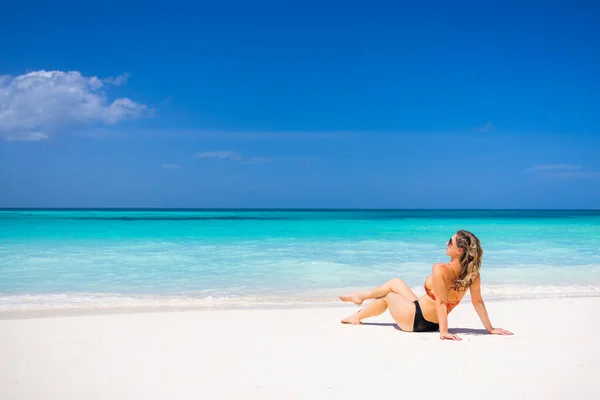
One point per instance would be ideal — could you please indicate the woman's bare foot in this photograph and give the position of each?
(354, 297)
(353, 319)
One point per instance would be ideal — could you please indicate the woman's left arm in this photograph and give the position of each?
(479, 305)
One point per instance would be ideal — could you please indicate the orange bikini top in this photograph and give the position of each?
(449, 304)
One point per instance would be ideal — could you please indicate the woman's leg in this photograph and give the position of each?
(376, 307)
(395, 285)
(402, 311)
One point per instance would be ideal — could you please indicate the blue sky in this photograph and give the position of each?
(278, 104)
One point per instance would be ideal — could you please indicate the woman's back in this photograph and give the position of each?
(453, 296)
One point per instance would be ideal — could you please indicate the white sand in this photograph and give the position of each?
(304, 354)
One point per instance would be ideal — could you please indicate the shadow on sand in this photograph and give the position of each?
(467, 331)
(455, 331)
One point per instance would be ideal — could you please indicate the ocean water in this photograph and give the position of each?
(113, 259)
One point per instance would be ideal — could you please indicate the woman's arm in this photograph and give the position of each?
(440, 288)
(479, 306)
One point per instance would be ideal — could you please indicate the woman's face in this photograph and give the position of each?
(452, 250)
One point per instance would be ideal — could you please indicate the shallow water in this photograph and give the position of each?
(71, 259)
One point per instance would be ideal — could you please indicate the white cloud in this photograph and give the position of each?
(556, 167)
(576, 174)
(39, 104)
(221, 155)
(117, 80)
(564, 171)
(170, 166)
(487, 127)
(29, 136)
(255, 160)
(233, 156)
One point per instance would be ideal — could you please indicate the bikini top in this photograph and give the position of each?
(449, 304)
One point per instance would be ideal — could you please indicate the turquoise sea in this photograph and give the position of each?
(106, 259)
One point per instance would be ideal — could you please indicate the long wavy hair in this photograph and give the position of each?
(470, 260)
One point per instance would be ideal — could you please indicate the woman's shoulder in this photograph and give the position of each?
(443, 271)
(439, 267)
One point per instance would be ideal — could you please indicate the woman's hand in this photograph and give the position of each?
(449, 336)
(500, 331)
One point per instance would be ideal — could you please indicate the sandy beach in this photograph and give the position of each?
(303, 353)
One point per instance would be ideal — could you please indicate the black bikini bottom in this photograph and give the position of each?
(421, 324)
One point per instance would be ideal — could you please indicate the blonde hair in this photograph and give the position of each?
(470, 260)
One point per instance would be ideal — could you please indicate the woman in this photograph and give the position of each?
(445, 288)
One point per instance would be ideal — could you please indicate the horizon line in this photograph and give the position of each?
(287, 209)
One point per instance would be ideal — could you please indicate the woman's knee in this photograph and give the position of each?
(396, 281)
(398, 285)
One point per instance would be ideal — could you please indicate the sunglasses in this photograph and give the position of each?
(449, 242)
